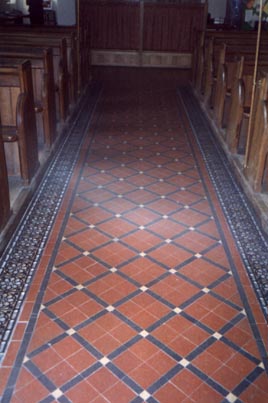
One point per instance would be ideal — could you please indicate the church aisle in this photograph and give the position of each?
(141, 294)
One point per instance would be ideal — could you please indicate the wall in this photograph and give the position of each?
(65, 10)
(217, 8)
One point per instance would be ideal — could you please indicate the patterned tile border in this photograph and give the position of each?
(251, 241)
(24, 250)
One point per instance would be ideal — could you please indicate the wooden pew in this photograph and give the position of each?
(257, 164)
(61, 75)
(227, 97)
(71, 36)
(18, 125)
(229, 72)
(4, 187)
(198, 60)
(215, 58)
(209, 45)
(237, 122)
(43, 86)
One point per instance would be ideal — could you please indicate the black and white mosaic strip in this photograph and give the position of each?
(251, 241)
(22, 255)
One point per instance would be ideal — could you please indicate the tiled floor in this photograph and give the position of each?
(137, 297)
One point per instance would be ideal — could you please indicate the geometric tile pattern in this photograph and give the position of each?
(20, 259)
(141, 303)
(251, 240)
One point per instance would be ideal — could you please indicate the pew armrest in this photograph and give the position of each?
(9, 134)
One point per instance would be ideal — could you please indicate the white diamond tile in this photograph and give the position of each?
(104, 361)
(145, 395)
(110, 308)
(206, 290)
(57, 393)
(70, 331)
(113, 269)
(184, 362)
(231, 398)
(217, 335)
(144, 333)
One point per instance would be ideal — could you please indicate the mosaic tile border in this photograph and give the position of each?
(250, 239)
(20, 259)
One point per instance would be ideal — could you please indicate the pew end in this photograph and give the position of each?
(256, 168)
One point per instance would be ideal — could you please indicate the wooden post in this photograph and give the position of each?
(141, 31)
(250, 127)
(78, 44)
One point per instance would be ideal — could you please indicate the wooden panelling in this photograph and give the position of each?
(147, 59)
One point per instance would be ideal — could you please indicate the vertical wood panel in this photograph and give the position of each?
(119, 25)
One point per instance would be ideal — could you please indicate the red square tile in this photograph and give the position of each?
(119, 393)
(226, 312)
(207, 363)
(66, 347)
(91, 332)
(170, 255)
(186, 381)
(81, 360)
(47, 359)
(253, 394)
(161, 363)
(240, 364)
(78, 392)
(31, 392)
(238, 336)
(4, 375)
(144, 319)
(65, 253)
(44, 334)
(196, 335)
(221, 351)
(169, 394)
(106, 344)
(213, 321)
(144, 375)
(202, 272)
(102, 380)
(127, 361)
(61, 373)
(123, 333)
(205, 394)
(226, 377)
(165, 334)
(144, 349)
(182, 346)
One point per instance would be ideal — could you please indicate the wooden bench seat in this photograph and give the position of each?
(18, 125)
(208, 49)
(222, 76)
(54, 32)
(4, 187)
(216, 58)
(61, 75)
(43, 86)
(257, 165)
